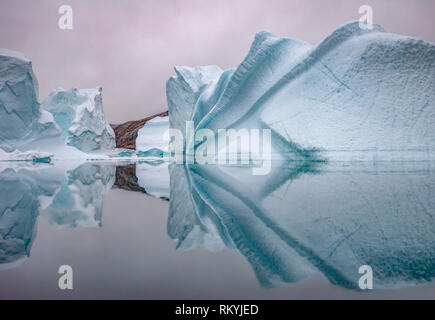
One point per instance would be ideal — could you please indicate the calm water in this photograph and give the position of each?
(301, 231)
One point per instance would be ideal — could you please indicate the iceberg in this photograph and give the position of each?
(352, 122)
(80, 115)
(21, 119)
(152, 135)
(184, 89)
(27, 131)
(358, 95)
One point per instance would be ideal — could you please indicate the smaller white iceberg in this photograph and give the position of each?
(80, 115)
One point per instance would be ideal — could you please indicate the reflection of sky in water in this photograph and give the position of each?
(307, 224)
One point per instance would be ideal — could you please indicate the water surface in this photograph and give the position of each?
(300, 232)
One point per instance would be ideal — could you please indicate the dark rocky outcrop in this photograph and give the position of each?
(126, 133)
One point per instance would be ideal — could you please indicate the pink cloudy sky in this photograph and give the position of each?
(129, 47)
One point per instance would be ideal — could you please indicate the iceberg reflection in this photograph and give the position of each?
(65, 194)
(305, 217)
(308, 217)
(80, 198)
(72, 197)
(20, 191)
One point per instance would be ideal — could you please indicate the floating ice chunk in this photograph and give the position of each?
(21, 120)
(151, 153)
(31, 155)
(152, 135)
(80, 115)
(126, 153)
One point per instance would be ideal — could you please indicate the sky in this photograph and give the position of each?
(129, 47)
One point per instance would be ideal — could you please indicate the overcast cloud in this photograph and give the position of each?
(129, 47)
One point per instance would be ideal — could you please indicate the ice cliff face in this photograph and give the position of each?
(184, 90)
(358, 95)
(80, 115)
(21, 119)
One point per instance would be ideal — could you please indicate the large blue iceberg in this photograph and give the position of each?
(358, 95)
(353, 140)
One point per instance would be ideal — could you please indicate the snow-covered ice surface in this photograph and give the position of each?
(358, 95)
(80, 115)
(152, 135)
